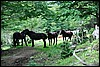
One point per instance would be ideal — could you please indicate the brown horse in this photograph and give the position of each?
(17, 36)
(66, 34)
(36, 36)
(52, 35)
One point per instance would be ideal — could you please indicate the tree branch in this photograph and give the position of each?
(84, 63)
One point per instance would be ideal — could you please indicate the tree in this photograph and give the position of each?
(78, 10)
(57, 14)
(12, 11)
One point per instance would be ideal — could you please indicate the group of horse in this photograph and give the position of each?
(37, 36)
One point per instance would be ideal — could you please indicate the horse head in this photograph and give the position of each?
(61, 32)
(25, 32)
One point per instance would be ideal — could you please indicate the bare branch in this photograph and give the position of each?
(84, 63)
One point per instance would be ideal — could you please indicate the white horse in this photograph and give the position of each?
(96, 32)
(75, 32)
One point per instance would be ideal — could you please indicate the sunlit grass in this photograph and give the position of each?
(87, 44)
(5, 47)
(38, 43)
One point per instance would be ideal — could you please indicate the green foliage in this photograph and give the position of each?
(6, 38)
(66, 51)
(88, 56)
(91, 30)
(85, 39)
(78, 10)
(22, 10)
(47, 15)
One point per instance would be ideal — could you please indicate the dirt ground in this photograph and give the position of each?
(21, 56)
(17, 56)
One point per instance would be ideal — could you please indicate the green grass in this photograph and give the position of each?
(88, 56)
(32, 63)
(64, 62)
(52, 54)
(84, 45)
(5, 47)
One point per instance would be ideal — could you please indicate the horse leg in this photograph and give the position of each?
(25, 41)
(44, 43)
(14, 42)
(22, 42)
(63, 38)
(49, 42)
(54, 41)
(17, 40)
(32, 42)
(70, 38)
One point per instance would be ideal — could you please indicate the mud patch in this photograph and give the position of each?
(17, 57)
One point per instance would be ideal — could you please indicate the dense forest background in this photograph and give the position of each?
(53, 15)
(40, 16)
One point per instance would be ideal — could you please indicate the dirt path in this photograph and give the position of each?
(18, 56)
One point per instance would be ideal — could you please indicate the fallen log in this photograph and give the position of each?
(84, 63)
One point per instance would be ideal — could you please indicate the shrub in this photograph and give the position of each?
(91, 30)
(66, 51)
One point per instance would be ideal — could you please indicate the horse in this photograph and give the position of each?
(66, 34)
(17, 36)
(95, 34)
(52, 35)
(36, 36)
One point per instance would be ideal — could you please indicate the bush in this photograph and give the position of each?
(91, 30)
(66, 51)
(6, 38)
(85, 39)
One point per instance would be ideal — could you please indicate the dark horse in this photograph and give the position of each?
(17, 36)
(36, 36)
(52, 35)
(66, 34)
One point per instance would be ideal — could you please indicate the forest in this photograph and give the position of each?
(40, 18)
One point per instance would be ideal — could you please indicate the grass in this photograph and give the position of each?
(51, 55)
(84, 45)
(64, 62)
(32, 63)
(5, 47)
(89, 56)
